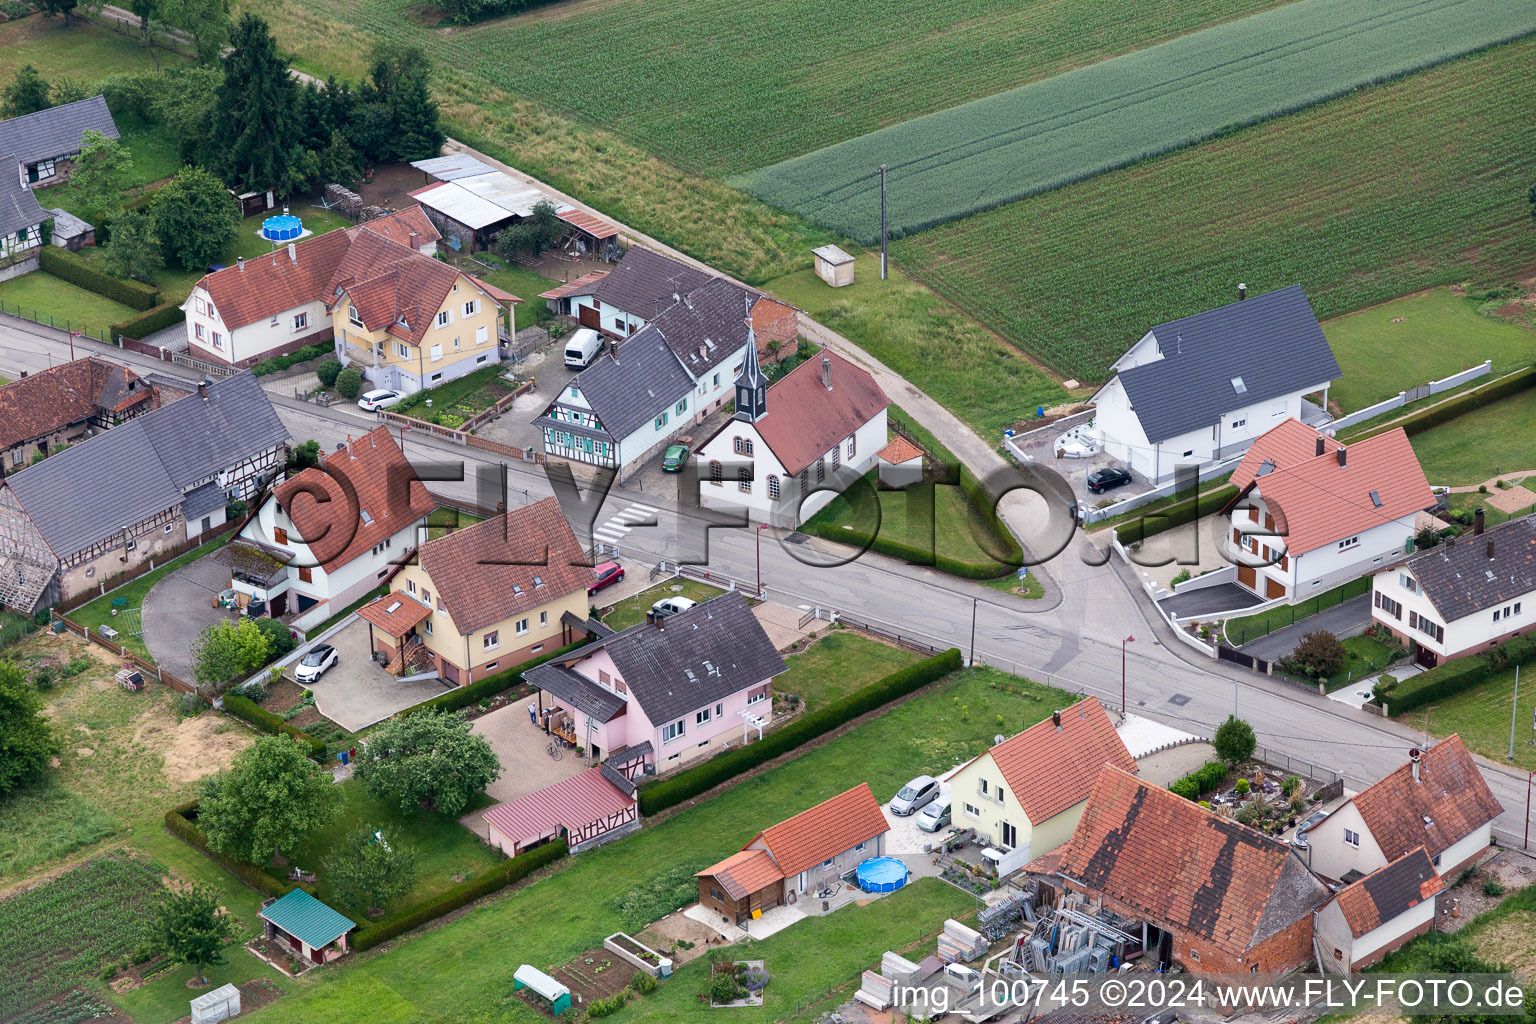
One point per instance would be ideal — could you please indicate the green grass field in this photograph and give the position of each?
(84, 52)
(1117, 112)
(1359, 200)
(525, 284)
(1482, 716)
(1483, 443)
(51, 300)
(632, 609)
(43, 821)
(1365, 660)
(156, 156)
(1416, 339)
(836, 664)
(554, 918)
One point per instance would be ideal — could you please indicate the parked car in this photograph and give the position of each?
(675, 458)
(313, 665)
(915, 795)
(605, 575)
(672, 605)
(1299, 840)
(1101, 480)
(380, 398)
(935, 816)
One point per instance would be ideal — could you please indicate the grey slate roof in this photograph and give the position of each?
(1460, 579)
(201, 501)
(67, 225)
(644, 282)
(1271, 341)
(576, 690)
(122, 476)
(708, 326)
(621, 783)
(56, 131)
(19, 208)
(630, 388)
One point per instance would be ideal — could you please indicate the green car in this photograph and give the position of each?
(675, 458)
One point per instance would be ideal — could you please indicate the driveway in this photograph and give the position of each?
(514, 427)
(525, 766)
(356, 692)
(1347, 619)
(179, 608)
(1227, 597)
(1040, 445)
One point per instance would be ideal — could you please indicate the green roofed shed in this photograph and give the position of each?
(309, 927)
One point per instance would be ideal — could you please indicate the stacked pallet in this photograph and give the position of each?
(875, 990)
(898, 968)
(959, 943)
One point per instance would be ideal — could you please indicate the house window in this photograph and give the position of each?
(202, 307)
(852, 446)
(492, 667)
(1386, 604)
(744, 479)
(715, 472)
(521, 627)
(218, 340)
(1010, 835)
(201, 333)
(273, 321)
(1279, 409)
(426, 597)
(773, 486)
(402, 350)
(357, 321)
(306, 575)
(672, 731)
(740, 444)
(1408, 583)
(1352, 838)
(410, 586)
(300, 321)
(661, 421)
(444, 318)
(719, 710)
(1240, 423)
(759, 694)
(471, 307)
(481, 359)
(717, 380)
(701, 717)
(972, 811)
(213, 312)
(837, 456)
(604, 678)
(535, 649)
(427, 625)
(543, 619)
(828, 862)
(575, 392)
(1349, 542)
(1517, 607)
(982, 786)
(491, 640)
(682, 407)
(821, 470)
(169, 527)
(441, 607)
(437, 352)
(434, 378)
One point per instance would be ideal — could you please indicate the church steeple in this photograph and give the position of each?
(751, 384)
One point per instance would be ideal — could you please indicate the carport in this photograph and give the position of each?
(392, 623)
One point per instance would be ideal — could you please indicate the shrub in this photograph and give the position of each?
(1234, 740)
(279, 638)
(328, 371)
(1186, 511)
(1291, 784)
(1319, 655)
(1492, 887)
(603, 1007)
(660, 795)
(1202, 780)
(496, 878)
(180, 822)
(724, 988)
(266, 721)
(643, 983)
(277, 363)
(78, 270)
(148, 322)
(1185, 788)
(349, 382)
(1242, 787)
(44, 678)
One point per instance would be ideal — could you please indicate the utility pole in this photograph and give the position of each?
(1528, 776)
(973, 632)
(1128, 640)
(882, 224)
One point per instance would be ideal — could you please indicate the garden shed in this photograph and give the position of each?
(532, 978)
(833, 265)
(313, 931)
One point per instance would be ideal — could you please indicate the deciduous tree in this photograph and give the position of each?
(428, 758)
(195, 218)
(191, 927)
(227, 652)
(1234, 740)
(27, 93)
(63, 7)
(1319, 655)
(134, 248)
(26, 739)
(366, 874)
(206, 21)
(269, 799)
(101, 172)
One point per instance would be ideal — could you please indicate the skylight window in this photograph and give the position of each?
(367, 519)
(538, 582)
(1239, 386)
(1376, 499)
(394, 606)
(517, 588)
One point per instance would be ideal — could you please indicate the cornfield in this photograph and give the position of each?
(1417, 183)
(60, 933)
(1114, 113)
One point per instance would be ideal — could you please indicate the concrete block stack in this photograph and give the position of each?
(957, 943)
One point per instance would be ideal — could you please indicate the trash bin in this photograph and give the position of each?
(665, 965)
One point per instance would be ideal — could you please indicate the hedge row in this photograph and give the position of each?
(277, 363)
(148, 322)
(659, 795)
(1202, 780)
(1463, 403)
(498, 877)
(266, 721)
(490, 686)
(1457, 675)
(178, 822)
(1177, 514)
(77, 270)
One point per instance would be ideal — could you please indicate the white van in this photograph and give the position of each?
(582, 348)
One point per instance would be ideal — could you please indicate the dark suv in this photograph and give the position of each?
(1101, 480)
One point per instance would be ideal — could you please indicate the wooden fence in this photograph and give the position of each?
(143, 664)
(147, 566)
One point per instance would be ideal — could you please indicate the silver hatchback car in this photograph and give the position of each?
(914, 795)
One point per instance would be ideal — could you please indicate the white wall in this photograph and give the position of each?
(1461, 634)
(1464, 849)
(252, 340)
(1328, 854)
(613, 319)
(1313, 572)
(1333, 931)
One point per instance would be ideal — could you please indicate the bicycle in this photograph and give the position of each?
(553, 751)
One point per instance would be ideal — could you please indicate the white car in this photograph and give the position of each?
(313, 665)
(381, 398)
(672, 605)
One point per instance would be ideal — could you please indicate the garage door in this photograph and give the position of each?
(1273, 588)
(1246, 576)
(589, 317)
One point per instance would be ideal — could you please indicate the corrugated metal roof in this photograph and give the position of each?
(590, 224)
(461, 205)
(454, 165)
(307, 919)
(570, 804)
(57, 131)
(507, 192)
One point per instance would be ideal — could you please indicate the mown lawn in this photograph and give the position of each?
(156, 153)
(84, 51)
(554, 918)
(1481, 444)
(99, 612)
(1359, 200)
(1416, 339)
(632, 609)
(1482, 716)
(1470, 501)
(525, 284)
(838, 662)
(1365, 660)
(50, 300)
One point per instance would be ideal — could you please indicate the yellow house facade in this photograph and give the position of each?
(1024, 796)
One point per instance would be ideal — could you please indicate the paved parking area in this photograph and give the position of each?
(1225, 597)
(1040, 445)
(356, 692)
(514, 427)
(525, 766)
(178, 609)
(1347, 619)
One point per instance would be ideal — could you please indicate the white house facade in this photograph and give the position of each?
(1371, 917)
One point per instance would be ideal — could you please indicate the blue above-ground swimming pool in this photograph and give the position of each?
(284, 228)
(882, 874)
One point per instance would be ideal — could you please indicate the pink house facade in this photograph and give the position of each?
(670, 690)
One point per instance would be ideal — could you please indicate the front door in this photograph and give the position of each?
(317, 955)
(1247, 577)
(1424, 656)
(589, 317)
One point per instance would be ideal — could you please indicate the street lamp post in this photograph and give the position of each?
(1128, 640)
(973, 632)
(760, 528)
(1528, 776)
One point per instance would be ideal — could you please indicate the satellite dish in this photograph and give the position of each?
(998, 739)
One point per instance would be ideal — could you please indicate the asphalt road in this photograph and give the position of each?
(1073, 639)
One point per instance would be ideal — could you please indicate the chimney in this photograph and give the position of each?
(240, 262)
(826, 372)
(1490, 549)
(1477, 522)
(415, 239)
(1414, 756)
(202, 389)
(661, 622)
(1339, 452)
(1242, 292)
(293, 253)
(1320, 445)
(349, 447)
(1056, 719)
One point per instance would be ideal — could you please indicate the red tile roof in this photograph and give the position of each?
(1316, 501)
(823, 831)
(1450, 801)
(1051, 769)
(805, 419)
(1387, 892)
(1287, 445)
(1186, 867)
(397, 227)
(581, 286)
(244, 294)
(900, 450)
(571, 803)
(371, 475)
(506, 565)
(744, 873)
(395, 613)
(52, 399)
